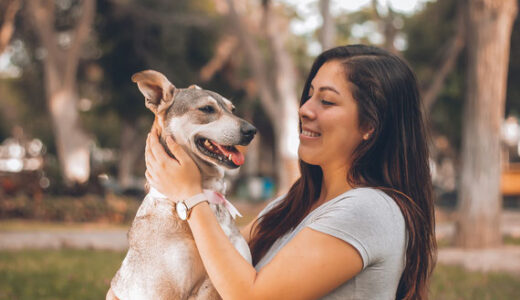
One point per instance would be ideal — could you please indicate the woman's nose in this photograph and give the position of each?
(306, 111)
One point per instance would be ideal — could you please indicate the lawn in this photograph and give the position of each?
(57, 274)
(86, 274)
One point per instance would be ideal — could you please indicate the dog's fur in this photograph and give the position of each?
(162, 261)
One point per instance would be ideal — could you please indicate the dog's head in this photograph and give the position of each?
(201, 121)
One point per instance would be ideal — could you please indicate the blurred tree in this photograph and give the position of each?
(276, 82)
(387, 25)
(10, 8)
(435, 42)
(174, 37)
(488, 37)
(63, 44)
(327, 34)
(427, 30)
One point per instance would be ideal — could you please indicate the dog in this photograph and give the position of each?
(162, 261)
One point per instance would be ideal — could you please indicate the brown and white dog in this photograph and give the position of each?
(162, 260)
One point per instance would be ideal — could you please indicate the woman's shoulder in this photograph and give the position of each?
(366, 218)
(364, 203)
(363, 196)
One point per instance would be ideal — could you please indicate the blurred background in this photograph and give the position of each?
(73, 125)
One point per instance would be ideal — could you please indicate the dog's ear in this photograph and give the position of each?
(156, 88)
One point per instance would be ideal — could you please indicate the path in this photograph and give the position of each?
(506, 258)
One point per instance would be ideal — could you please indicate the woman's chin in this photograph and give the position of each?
(308, 158)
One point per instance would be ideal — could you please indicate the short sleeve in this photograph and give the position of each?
(366, 219)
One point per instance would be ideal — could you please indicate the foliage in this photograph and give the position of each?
(88, 208)
(180, 37)
(428, 33)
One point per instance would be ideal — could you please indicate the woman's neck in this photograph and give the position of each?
(334, 182)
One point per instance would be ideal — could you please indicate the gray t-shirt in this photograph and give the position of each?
(370, 221)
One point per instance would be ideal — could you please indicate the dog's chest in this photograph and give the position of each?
(162, 258)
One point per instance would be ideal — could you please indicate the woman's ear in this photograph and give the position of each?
(368, 134)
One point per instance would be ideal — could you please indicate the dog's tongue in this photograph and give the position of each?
(236, 156)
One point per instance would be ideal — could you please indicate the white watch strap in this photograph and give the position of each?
(194, 200)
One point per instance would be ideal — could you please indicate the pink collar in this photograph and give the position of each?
(218, 198)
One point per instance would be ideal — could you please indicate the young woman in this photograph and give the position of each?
(359, 222)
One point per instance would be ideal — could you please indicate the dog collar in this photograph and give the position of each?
(183, 208)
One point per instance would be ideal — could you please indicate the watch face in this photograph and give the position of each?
(182, 210)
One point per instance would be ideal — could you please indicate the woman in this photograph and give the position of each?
(359, 222)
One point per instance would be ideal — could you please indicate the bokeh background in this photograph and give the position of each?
(73, 125)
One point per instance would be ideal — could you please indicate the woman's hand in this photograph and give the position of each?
(177, 178)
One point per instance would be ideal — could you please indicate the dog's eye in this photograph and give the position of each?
(207, 109)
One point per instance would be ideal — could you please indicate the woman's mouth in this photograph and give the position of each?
(308, 133)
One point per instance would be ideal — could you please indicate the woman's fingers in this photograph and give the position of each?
(158, 151)
(177, 150)
(150, 179)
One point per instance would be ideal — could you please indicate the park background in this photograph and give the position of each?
(73, 125)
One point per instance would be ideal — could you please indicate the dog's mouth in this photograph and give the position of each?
(227, 155)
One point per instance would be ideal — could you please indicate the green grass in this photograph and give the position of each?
(57, 274)
(454, 283)
(86, 274)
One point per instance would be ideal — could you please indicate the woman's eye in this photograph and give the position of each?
(207, 109)
(325, 102)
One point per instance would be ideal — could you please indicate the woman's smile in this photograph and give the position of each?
(329, 122)
(309, 135)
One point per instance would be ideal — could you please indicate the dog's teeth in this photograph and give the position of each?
(229, 157)
(206, 142)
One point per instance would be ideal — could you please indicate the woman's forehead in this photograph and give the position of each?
(330, 76)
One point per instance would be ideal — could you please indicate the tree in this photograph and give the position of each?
(276, 86)
(488, 38)
(6, 30)
(63, 52)
(327, 34)
(174, 37)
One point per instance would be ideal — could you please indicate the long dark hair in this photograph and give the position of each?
(394, 159)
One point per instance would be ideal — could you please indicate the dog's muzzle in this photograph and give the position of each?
(248, 132)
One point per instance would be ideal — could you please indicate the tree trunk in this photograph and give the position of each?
(130, 151)
(449, 58)
(489, 33)
(278, 96)
(71, 142)
(328, 29)
(60, 68)
(7, 28)
(387, 27)
(286, 127)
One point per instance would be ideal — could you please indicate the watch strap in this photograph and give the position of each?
(194, 200)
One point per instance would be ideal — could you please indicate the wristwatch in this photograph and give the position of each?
(183, 208)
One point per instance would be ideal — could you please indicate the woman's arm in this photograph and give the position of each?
(309, 266)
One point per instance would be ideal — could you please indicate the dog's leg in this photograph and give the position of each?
(206, 292)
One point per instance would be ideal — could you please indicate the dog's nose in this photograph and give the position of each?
(248, 132)
(248, 129)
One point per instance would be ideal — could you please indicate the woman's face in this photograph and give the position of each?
(330, 126)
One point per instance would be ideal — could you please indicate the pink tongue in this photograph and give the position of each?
(237, 157)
